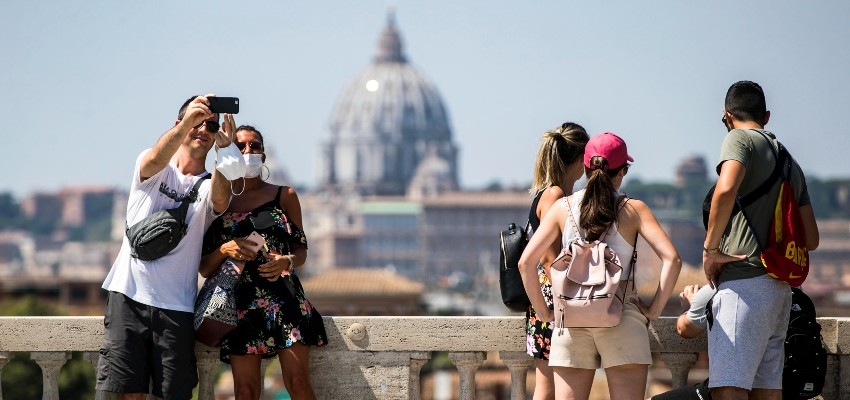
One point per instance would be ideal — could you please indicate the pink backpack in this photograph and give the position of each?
(586, 282)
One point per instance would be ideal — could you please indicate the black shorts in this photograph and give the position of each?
(693, 392)
(147, 349)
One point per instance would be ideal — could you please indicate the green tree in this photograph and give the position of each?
(10, 212)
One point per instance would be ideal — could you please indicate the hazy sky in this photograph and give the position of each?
(86, 85)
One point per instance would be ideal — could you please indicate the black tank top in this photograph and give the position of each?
(533, 220)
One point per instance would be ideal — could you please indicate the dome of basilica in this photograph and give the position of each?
(385, 122)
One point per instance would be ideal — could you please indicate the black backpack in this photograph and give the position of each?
(804, 372)
(805, 354)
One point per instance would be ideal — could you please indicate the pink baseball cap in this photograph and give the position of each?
(609, 146)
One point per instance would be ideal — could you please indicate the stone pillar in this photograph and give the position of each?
(415, 385)
(518, 363)
(50, 362)
(843, 383)
(679, 365)
(5, 356)
(467, 363)
(92, 357)
(264, 365)
(207, 362)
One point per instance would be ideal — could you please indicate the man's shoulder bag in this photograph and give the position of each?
(157, 234)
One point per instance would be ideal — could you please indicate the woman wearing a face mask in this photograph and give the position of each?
(274, 319)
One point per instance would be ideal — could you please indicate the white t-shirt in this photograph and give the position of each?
(170, 282)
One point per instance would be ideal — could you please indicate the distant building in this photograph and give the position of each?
(692, 170)
(364, 292)
(388, 119)
(388, 195)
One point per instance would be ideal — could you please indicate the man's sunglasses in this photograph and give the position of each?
(212, 126)
(253, 145)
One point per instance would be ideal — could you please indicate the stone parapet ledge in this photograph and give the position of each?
(380, 357)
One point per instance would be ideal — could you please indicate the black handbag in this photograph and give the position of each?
(512, 243)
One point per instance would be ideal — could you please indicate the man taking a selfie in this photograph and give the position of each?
(149, 341)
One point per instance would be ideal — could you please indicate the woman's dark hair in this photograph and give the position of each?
(599, 205)
(251, 129)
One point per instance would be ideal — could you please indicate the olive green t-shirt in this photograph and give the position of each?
(751, 149)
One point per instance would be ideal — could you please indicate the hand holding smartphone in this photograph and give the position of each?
(256, 238)
(224, 105)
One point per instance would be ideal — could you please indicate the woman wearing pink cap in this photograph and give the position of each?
(602, 211)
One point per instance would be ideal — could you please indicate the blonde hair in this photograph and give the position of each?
(561, 147)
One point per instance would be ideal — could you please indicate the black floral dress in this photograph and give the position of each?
(538, 333)
(271, 316)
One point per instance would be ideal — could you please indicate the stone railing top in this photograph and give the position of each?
(377, 334)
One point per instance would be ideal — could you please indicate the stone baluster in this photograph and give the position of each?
(50, 362)
(518, 363)
(92, 357)
(264, 365)
(467, 363)
(679, 365)
(417, 360)
(5, 356)
(207, 362)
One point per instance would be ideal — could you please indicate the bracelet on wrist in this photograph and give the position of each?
(711, 251)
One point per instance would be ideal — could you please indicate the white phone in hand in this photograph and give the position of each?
(258, 239)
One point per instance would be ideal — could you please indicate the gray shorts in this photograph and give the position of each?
(746, 340)
(147, 349)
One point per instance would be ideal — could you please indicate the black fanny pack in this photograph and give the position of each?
(157, 234)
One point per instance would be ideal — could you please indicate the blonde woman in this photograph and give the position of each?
(599, 210)
(557, 168)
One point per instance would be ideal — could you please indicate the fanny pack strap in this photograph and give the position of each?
(191, 197)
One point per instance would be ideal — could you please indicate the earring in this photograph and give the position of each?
(268, 173)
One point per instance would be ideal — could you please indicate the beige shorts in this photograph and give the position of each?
(591, 348)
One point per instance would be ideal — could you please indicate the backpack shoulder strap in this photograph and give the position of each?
(571, 216)
(781, 156)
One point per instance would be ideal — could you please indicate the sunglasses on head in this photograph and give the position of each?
(253, 145)
(212, 126)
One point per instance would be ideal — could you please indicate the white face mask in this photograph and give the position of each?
(230, 163)
(254, 164)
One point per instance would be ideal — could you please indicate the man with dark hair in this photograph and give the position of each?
(751, 309)
(149, 341)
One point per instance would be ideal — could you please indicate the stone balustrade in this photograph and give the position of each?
(381, 357)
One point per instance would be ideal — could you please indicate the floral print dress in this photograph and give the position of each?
(539, 332)
(271, 316)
